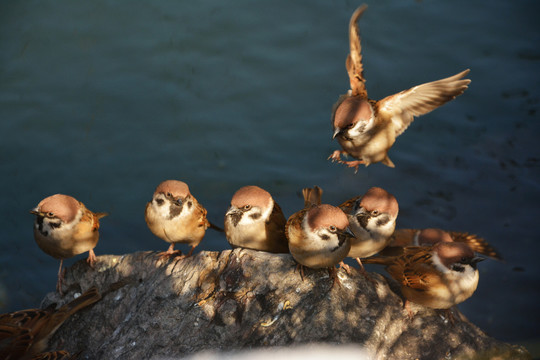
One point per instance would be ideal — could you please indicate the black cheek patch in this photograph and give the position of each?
(383, 220)
(341, 241)
(174, 211)
(362, 220)
(325, 237)
(189, 205)
(160, 202)
(55, 225)
(255, 216)
(235, 218)
(458, 268)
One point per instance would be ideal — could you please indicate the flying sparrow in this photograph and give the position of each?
(372, 219)
(438, 276)
(64, 227)
(26, 333)
(319, 235)
(255, 221)
(174, 215)
(431, 236)
(366, 129)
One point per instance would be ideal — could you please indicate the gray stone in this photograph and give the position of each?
(244, 299)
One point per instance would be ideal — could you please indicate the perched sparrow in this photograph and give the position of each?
(26, 333)
(430, 236)
(439, 276)
(366, 129)
(372, 218)
(64, 227)
(175, 216)
(319, 235)
(255, 221)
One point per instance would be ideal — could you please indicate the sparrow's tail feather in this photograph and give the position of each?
(87, 298)
(215, 227)
(312, 196)
(100, 215)
(354, 60)
(477, 244)
(378, 260)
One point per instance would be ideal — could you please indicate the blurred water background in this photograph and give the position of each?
(103, 100)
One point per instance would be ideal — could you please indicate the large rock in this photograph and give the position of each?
(243, 299)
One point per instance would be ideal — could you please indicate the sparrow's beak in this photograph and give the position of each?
(233, 210)
(475, 260)
(348, 232)
(336, 132)
(362, 216)
(37, 213)
(235, 214)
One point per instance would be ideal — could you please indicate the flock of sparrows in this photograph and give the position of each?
(435, 268)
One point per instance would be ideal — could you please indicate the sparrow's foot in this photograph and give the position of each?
(336, 156)
(91, 258)
(332, 272)
(353, 164)
(364, 272)
(345, 267)
(407, 307)
(168, 254)
(448, 314)
(301, 267)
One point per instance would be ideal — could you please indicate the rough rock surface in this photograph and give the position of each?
(244, 299)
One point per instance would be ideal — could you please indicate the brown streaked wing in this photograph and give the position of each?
(413, 269)
(401, 108)
(348, 205)
(476, 243)
(276, 225)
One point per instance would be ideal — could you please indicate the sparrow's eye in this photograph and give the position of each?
(50, 214)
(247, 207)
(464, 260)
(169, 194)
(332, 228)
(375, 213)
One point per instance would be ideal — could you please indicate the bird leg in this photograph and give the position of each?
(170, 252)
(91, 258)
(301, 267)
(191, 251)
(364, 272)
(336, 156)
(333, 275)
(353, 164)
(345, 267)
(407, 307)
(60, 278)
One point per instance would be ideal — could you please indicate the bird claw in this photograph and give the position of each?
(336, 156)
(168, 254)
(345, 267)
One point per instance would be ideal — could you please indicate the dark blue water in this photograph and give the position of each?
(103, 100)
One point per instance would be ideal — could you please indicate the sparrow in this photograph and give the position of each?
(372, 219)
(438, 276)
(366, 129)
(255, 221)
(174, 215)
(64, 227)
(319, 234)
(431, 236)
(26, 333)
